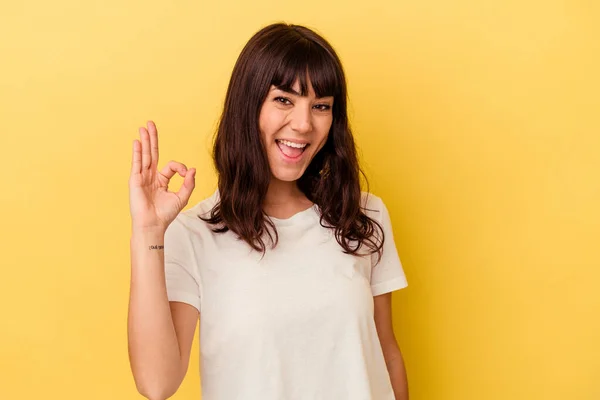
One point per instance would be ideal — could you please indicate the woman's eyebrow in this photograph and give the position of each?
(292, 91)
(289, 90)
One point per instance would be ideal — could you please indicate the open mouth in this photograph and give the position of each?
(290, 150)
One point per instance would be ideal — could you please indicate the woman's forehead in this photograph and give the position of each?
(304, 77)
(295, 90)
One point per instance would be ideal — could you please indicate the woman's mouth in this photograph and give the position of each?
(290, 150)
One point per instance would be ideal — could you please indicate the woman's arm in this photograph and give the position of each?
(160, 334)
(389, 345)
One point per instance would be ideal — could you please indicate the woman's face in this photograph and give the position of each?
(293, 129)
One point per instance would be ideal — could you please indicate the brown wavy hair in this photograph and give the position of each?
(280, 54)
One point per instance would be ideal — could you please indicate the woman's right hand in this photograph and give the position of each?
(151, 205)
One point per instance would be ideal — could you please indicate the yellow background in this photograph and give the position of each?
(478, 124)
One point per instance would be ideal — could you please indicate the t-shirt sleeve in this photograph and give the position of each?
(388, 274)
(181, 272)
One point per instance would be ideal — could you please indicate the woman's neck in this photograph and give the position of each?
(282, 192)
(285, 199)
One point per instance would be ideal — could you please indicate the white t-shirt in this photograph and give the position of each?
(296, 325)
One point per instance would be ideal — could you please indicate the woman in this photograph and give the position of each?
(288, 265)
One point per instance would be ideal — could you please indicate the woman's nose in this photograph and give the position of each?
(301, 120)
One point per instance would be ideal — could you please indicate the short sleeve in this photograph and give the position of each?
(387, 275)
(181, 273)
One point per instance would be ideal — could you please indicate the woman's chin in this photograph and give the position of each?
(287, 176)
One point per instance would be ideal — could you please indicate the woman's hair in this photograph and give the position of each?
(279, 55)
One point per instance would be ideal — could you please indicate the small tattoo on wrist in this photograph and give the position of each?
(156, 247)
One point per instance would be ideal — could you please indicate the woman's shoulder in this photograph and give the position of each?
(370, 200)
(371, 204)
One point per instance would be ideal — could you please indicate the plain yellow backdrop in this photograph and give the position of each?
(477, 123)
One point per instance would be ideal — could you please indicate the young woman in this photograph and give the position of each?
(288, 265)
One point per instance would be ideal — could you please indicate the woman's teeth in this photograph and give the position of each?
(291, 144)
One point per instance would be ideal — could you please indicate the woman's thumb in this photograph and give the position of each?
(189, 183)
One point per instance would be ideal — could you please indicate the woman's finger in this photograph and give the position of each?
(136, 159)
(153, 143)
(172, 168)
(146, 157)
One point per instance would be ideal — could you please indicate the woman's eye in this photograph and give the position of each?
(282, 100)
(323, 107)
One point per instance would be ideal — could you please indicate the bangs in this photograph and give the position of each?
(305, 59)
